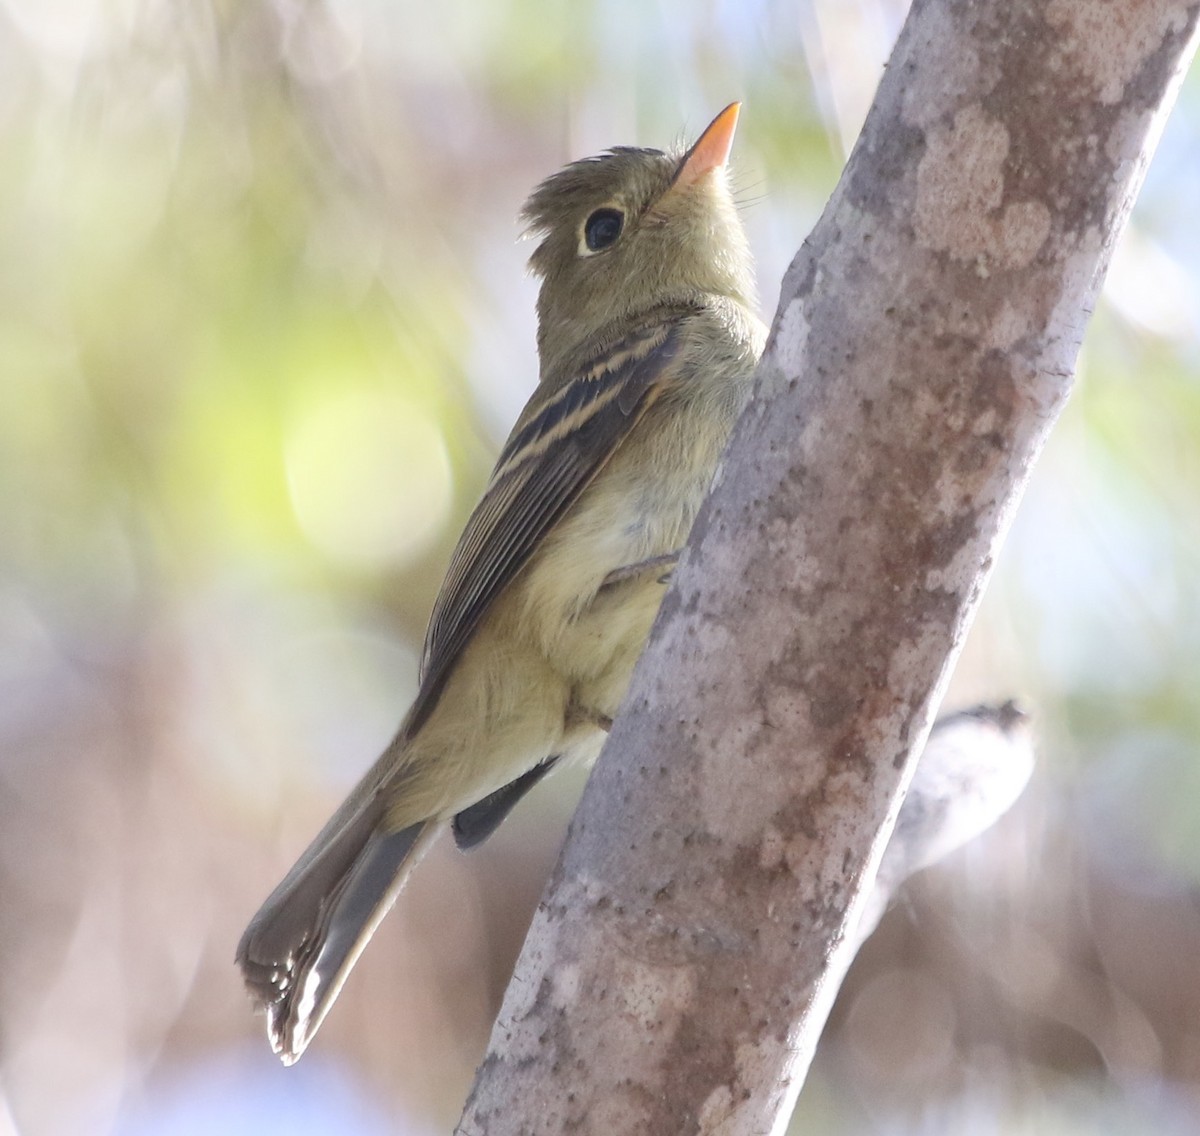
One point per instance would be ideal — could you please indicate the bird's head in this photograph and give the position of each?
(633, 229)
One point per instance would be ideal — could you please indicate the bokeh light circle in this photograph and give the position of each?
(369, 477)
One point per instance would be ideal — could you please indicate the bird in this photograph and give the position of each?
(648, 340)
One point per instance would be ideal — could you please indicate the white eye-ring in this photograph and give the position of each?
(601, 230)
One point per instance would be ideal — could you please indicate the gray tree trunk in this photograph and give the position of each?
(680, 969)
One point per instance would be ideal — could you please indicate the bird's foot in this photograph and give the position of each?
(660, 566)
(578, 715)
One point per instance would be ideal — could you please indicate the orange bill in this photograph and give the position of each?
(711, 150)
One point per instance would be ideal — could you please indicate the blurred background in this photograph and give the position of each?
(263, 325)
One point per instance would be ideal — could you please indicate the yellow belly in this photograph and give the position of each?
(636, 511)
(556, 648)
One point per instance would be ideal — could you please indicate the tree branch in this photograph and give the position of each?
(682, 964)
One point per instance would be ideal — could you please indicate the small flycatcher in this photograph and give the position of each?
(647, 340)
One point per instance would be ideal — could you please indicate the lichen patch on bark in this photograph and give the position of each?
(1106, 44)
(960, 206)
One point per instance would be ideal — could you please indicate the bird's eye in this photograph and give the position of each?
(602, 228)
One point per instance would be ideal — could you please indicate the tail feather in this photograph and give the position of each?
(300, 947)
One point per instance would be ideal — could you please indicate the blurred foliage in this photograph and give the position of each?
(263, 323)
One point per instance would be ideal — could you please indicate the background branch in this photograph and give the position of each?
(680, 969)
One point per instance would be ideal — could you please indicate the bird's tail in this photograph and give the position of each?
(306, 937)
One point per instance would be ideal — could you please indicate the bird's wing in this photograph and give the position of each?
(554, 451)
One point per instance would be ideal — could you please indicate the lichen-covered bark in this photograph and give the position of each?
(679, 971)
